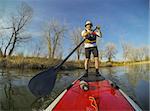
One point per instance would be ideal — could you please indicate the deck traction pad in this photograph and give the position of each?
(92, 77)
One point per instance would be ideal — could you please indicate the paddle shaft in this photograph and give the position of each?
(59, 65)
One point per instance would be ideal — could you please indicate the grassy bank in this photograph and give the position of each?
(129, 63)
(34, 63)
(44, 63)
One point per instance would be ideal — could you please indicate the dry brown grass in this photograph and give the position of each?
(44, 63)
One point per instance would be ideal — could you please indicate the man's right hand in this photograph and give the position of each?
(86, 34)
(98, 27)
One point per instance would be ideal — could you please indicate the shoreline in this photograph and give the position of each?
(44, 63)
(132, 63)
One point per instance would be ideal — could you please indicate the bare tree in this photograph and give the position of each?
(37, 51)
(1, 53)
(129, 52)
(110, 51)
(132, 53)
(76, 39)
(101, 54)
(53, 35)
(1, 43)
(146, 52)
(126, 49)
(140, 54)
(135, 54)
(17, 28)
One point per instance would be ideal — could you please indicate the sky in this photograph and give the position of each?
(119, 19)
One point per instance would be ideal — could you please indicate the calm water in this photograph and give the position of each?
(15, 96)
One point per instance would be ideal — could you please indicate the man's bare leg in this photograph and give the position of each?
(86, 64)
(97, 66)
(96, 63)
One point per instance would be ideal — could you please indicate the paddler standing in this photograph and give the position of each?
(90, 45)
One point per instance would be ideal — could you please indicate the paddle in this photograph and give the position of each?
(43, 83)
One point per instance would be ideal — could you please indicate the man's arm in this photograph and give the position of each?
(84, 33)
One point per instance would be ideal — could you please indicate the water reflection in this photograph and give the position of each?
(15, 96)
(137, 73)
(142, 92)
(7, 94)
(134, 80)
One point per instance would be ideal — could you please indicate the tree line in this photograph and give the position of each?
(14, 33)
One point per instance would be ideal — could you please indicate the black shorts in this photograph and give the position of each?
(90, 50)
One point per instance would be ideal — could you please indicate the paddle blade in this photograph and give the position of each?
(43, 83)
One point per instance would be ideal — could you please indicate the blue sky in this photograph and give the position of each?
(127, 19)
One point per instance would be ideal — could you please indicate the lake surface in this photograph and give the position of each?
(15, 95)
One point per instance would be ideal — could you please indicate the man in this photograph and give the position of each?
(90, 45)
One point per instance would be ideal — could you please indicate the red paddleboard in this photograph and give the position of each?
(93, 94)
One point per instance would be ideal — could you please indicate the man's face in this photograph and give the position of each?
(89, 26)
